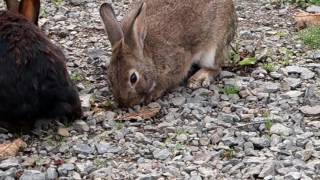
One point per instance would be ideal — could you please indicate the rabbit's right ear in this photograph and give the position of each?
(111, 24)
(30, 9)
(12, 5)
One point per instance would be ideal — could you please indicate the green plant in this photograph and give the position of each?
(301, 3)
(229, 153)
(235, 55)
(119, 125)
(287, 55)
(269, 67)
(77, 76)
(100, 162)
(40, 162)
(268, 124)
(249, 61)
(311, 36)
(181, 131)
(230, 90)
(57, 3)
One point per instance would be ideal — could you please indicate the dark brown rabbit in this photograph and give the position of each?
(158, 41)
(34, 82)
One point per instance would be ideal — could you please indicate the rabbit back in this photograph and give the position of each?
(34, 82)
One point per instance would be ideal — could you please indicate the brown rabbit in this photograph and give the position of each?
(156, 44)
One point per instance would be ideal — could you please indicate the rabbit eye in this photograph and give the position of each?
(133, 78)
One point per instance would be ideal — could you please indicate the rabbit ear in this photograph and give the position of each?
(111, 24)
(137, 29)
(30, 9)
(12, 5)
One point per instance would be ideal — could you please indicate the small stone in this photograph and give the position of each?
(276, 75)
(259, 73)
(76, 176)
(267, 169)
(247, 34)
(226, 74)
(64, 132)
(85, 168)
(81, 126)
(110, 115)
(245, 93)
(65, 168)
(271, 87)
(293, 82)
(228, 118)
(195, 177)
(9, 163)
(260, 142)
(293, 176)
(85, 101)
(206, 172)
(293, 94)
(162, 154)
(77, 2)
(311, 110)
(51, 174)
(8, 173)
(178, 101)
(204, 141)
(102, 173)
(302, 71)
(182, 137)
(83, 148)
(139, 137)
(305, 154)
(280, 129)
(104, 147)
(252, 98)
(32, 175)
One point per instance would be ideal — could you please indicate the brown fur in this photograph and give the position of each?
(176, 31)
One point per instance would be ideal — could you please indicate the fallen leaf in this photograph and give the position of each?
(58, 162)
(305, 19)
(143, 114)
(11, 149)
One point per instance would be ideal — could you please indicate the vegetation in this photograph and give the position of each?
(230, 90)
(302, 3)
(248, 61)
(311, 36)
(229, 153)
(269, 67)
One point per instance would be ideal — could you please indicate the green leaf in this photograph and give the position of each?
(248, 61)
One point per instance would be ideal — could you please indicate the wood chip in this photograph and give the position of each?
(305, 19)
(143, 114)
(11, 149)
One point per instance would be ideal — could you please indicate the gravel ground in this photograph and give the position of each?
(267, 130)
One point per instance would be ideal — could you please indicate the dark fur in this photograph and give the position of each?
(34, 82)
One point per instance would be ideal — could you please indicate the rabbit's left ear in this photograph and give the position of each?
(12, 5)
(30, 9)
(137, 29)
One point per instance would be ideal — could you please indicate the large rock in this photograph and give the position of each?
(304, 73)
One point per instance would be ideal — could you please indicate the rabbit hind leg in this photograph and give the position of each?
(210, 68)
